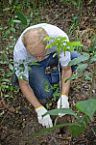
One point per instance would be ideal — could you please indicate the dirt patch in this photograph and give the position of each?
(18, 126)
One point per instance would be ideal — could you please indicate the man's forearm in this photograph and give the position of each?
(29, 94)
(65, 85)
(65, 88)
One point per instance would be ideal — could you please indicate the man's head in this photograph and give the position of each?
(34, 42)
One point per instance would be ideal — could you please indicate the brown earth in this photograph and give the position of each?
(19, 122)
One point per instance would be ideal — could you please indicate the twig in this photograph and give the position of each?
(53, 141)
(93, 84)
(4, 118)
(93, 132)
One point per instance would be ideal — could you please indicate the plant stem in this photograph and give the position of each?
(93, 84)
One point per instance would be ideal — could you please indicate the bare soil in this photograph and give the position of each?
(19, 121)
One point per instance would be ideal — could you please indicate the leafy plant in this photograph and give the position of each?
(62, 44)
(20, 17)
(87, 107)
(85, 110)
(85, 59)
(74, 24)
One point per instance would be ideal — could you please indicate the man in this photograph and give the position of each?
(36, 66)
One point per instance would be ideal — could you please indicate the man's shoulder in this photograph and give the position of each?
(19, 50)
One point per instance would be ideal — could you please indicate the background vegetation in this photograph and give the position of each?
(78, 19)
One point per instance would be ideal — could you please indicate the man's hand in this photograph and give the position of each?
(62, 103)
(43, 120)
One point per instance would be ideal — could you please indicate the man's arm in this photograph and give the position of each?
(65, 85)
(40, 110)
(28, 93)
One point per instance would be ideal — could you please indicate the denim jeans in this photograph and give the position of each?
(40, 81)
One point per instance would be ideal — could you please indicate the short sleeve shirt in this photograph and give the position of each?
(22, 59)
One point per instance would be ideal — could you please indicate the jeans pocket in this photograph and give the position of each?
(55, 76)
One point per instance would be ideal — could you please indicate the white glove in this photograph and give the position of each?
(43, 120)
(62, 103)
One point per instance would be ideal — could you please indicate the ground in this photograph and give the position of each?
(19, 122)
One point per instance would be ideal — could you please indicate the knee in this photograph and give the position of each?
(40, 84)
(75, 54)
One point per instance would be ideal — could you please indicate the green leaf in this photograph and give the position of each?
(88, 76)
(80, 59)
(79, 127)
(76, 129)
(88, 107)
(73, 77)
(81, 68)
(46, 131)
(62, 44)
(16, 21)
(63, 111)
(11, 67)
(5, 80)
(21, 17)
(74, 43)
(93, 59)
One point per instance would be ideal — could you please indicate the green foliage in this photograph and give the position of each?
(79, 127)
(18, 22)
(81, 68)
(87, 107)
(62, 44)
(74, 24)
(80, 59)
(84, 61)
(75, 20)
(93, 44)
(87, 76)
(93, 58)
(62, 111)
(46, 131)
(21, 17)
(9, 32)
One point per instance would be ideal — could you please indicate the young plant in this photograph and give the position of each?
(62, 44)
(85, 110)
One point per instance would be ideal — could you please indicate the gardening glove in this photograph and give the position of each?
(62, 103)
(43, 120)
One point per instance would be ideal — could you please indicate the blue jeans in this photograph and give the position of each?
(41, 81)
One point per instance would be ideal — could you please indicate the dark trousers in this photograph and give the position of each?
(45, 74)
